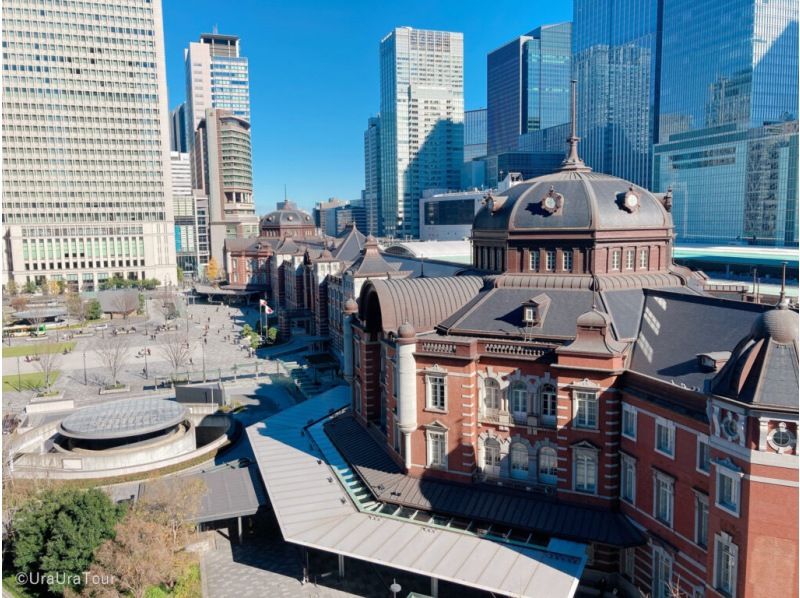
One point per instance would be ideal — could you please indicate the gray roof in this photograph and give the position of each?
(423, 302)
(371, 262)
(349, 247)
(308, 483)
(118, 300)
(500, 506)
(289, 215)
(231, 492)
(668, 341)
(251, 244)
(121, 419)
(591, 201)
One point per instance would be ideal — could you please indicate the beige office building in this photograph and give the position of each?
(86, 162)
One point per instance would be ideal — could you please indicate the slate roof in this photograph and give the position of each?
(491, 505)
(423, 302)
(676, 327)
(248, 244)
(591, 201)
(350, 246)
(371, 261)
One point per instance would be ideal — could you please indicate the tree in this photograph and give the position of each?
(36, 315)
(125, 302)
(76, 308)
(11, 288)
(94, 311)
(175, 503)
(53, 288)
(30, 287)
(212, 269)
(180, 276)
(57, 534)
(176, 350)
(113, 352)
(138, 557)
(47, 361)
(19, 303)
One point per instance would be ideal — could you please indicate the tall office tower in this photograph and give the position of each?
(527, 85)
(474, 134)
(616, 64)
(86, 166)
(372, 175)
(179, 130)
(223, 169)
(728, 132)
(422, 121)
(187, 217)
(217, 76)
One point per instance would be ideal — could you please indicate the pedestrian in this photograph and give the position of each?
(191, 362)
(205, 340)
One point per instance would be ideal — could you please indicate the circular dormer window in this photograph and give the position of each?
(781, 439)
(631, 201)
(730, 428)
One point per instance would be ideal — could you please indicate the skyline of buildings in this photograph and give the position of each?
(86, 160)
(422, 121)
(527, 85)
(728, 124)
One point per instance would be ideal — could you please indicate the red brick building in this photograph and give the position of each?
(582, 376)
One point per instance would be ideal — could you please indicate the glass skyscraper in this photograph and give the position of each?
(527, 85)
(86, 162)
(217, 76)
(474, 134)
(372, 175)
(727, 135)
(422, 121)
(616, 63)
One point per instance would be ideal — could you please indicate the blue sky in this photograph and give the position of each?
(314, 74)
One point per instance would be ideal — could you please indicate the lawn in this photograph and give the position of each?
(32, 381)
(31, 348)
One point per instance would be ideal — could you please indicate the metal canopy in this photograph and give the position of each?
(304, 473)
(122, 419)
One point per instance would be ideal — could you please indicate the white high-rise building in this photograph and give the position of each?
(190, 249)
(86, 161)
(216, 77)
(422, 121)
(372, 175)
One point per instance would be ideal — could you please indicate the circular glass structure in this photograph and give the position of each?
(128, 418)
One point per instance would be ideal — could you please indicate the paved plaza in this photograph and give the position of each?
(215, 344)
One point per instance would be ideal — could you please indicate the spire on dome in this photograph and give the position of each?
(573, 160)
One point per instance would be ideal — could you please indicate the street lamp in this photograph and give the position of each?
(146, 370)
(85, 379)
(395, 588)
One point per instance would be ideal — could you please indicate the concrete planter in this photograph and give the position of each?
(49, 404)
(115, 391)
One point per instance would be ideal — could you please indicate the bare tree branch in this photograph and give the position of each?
(113, 352)
(177, 350)
(46, 361)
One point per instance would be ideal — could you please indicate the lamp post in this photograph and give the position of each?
(395, 588)
(203, 347)
(146, 370)
(19, 377)
(85, 379)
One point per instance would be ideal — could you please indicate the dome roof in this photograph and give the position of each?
(779, 325)
(593, 319)
(287, 216)
(573, 199)
(406, 330)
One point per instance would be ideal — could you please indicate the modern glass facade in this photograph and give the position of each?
(616, 63)
(178, 130)
(372, 175)
(422, 121)
(474, 134)
(528, 85)
(727, 135)
(217, 76)
(528, 164)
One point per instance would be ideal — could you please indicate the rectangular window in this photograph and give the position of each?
(644, 259)
(628, 564)
(663, 496)
(566, 259)
(436, 391)
(701, 520)
(585, 471)
(585, 409)
(615, 259)
(662, 574)
(437, 449)
(725, 560)
(534, 260)
(728, 482)
(628, 421)
(630, 259)
(627, 490)
(550, 264)
(665, 437)
(703, 456)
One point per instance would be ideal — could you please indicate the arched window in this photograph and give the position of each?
(491, 395)
(519, 461)
(519, 400)
(548, 466)
(549, 404)
(491, 456)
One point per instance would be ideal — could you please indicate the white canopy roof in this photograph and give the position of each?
(313, 509)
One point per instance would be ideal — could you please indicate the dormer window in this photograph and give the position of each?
(533, 310)
(713, 361)
(567, 260)
(530, 314)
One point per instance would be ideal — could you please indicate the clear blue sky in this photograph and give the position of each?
(314, 74)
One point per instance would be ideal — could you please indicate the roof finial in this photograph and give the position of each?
(573, 160)
(284, 193)
(782, 297)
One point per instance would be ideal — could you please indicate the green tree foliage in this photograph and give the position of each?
(94, 311)
(11, 288)
(117, 282)
(30, 287)
(180, 275)
(57, 533)
(272, 334)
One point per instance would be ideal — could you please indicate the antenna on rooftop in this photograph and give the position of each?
(573, 160)
(284, 192)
